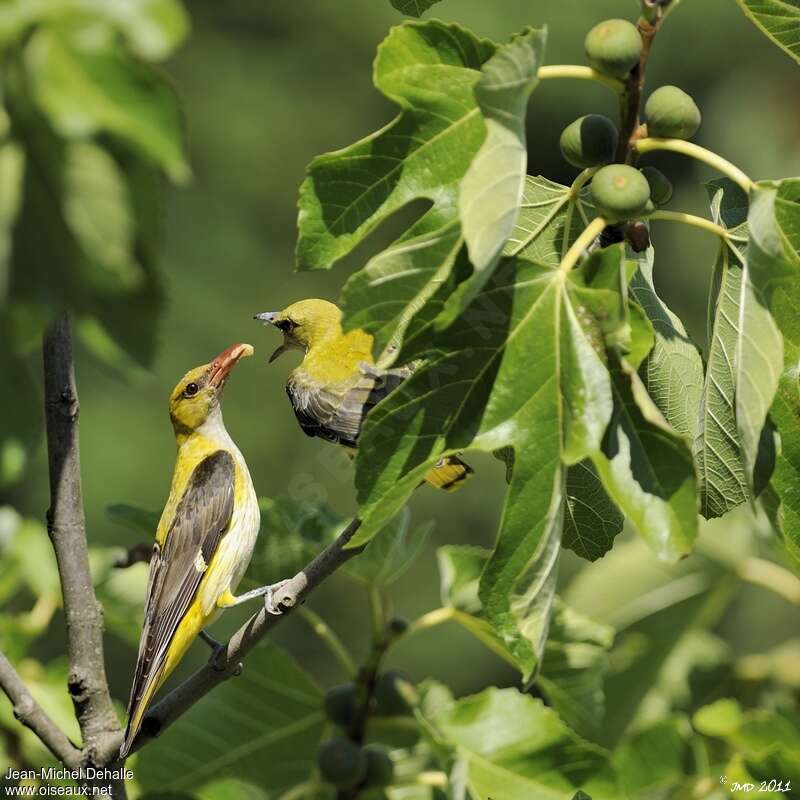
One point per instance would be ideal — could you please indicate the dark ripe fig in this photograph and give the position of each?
(341, 762)
(638, 236)
(389, 699)
(671, 114)
(619, 192)
(380, 769)
(613, 47)
(398, 626)
(660, 185)
(340, 704)
(590, 141)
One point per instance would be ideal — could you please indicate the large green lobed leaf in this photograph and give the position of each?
(779, 20)
(535, 757)
(773, 267)
(429, 70)
(491, 191)
(519, 368)
(723, 478)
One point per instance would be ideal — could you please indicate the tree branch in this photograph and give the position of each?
(87, 682)
(34, 717)
(228, 664)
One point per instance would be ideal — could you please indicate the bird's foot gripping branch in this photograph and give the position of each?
(516, 317)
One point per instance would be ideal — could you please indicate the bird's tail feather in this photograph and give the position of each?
(137, 712)
(449, 474)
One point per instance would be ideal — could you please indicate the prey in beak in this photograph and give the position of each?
(222, 365)
(272, 318)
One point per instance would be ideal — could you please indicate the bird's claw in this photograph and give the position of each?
(270, 606)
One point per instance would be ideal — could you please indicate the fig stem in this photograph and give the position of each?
(691, 219)
(581, 181)
(692, 150)
(590, 233)
(323, 630)
(581, 73)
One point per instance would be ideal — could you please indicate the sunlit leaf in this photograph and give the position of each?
(647, 469)
(85, 87)
(430, 70)
(153, 28)
(529, 315)
(723, 481)
(673, 371)
(779, 20)
(537, 756)
(492, 189)
(770, 361)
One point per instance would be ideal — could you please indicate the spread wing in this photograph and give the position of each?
(336, 413)
(201, 518)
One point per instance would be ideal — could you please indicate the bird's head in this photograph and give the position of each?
(304, 324)
(197, 395)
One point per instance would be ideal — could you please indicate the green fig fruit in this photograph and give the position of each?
(660, 185)
(340, 704)
(380, 769)
(341, 762)
(614, 47)
(590, 141)
(620, 192)
(671, 114)
(389, 698)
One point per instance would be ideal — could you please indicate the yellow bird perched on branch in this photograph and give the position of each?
(338, 383)
(205, 536)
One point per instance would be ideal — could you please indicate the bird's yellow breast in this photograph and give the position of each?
(336, 359)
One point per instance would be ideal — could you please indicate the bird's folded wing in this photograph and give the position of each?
(336, 413)
(177, 568)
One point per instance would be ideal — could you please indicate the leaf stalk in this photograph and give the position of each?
(581, 73)
(717, 162)
(583, 242)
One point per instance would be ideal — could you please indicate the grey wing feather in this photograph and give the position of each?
(200, 522)
(337, 415)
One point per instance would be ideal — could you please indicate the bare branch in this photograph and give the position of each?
(33, 716)
(87, 684)
(227, 665)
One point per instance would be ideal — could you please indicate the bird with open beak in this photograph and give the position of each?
(338, 383)
(205, 536)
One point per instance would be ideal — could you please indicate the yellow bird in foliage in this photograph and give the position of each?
(337, 384)
(205, 536)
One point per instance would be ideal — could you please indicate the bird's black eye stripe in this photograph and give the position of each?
(191, 390)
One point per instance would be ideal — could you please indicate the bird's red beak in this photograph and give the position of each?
(222, 365)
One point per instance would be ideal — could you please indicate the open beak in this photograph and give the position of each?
(268, 318)
(222, 365)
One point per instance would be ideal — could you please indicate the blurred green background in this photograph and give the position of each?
(265, 87)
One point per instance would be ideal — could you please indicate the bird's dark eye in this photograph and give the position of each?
(191, 390)
(286, 325)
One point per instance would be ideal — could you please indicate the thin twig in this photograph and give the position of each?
(34, 717)
(228, 664)
(87, 682)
